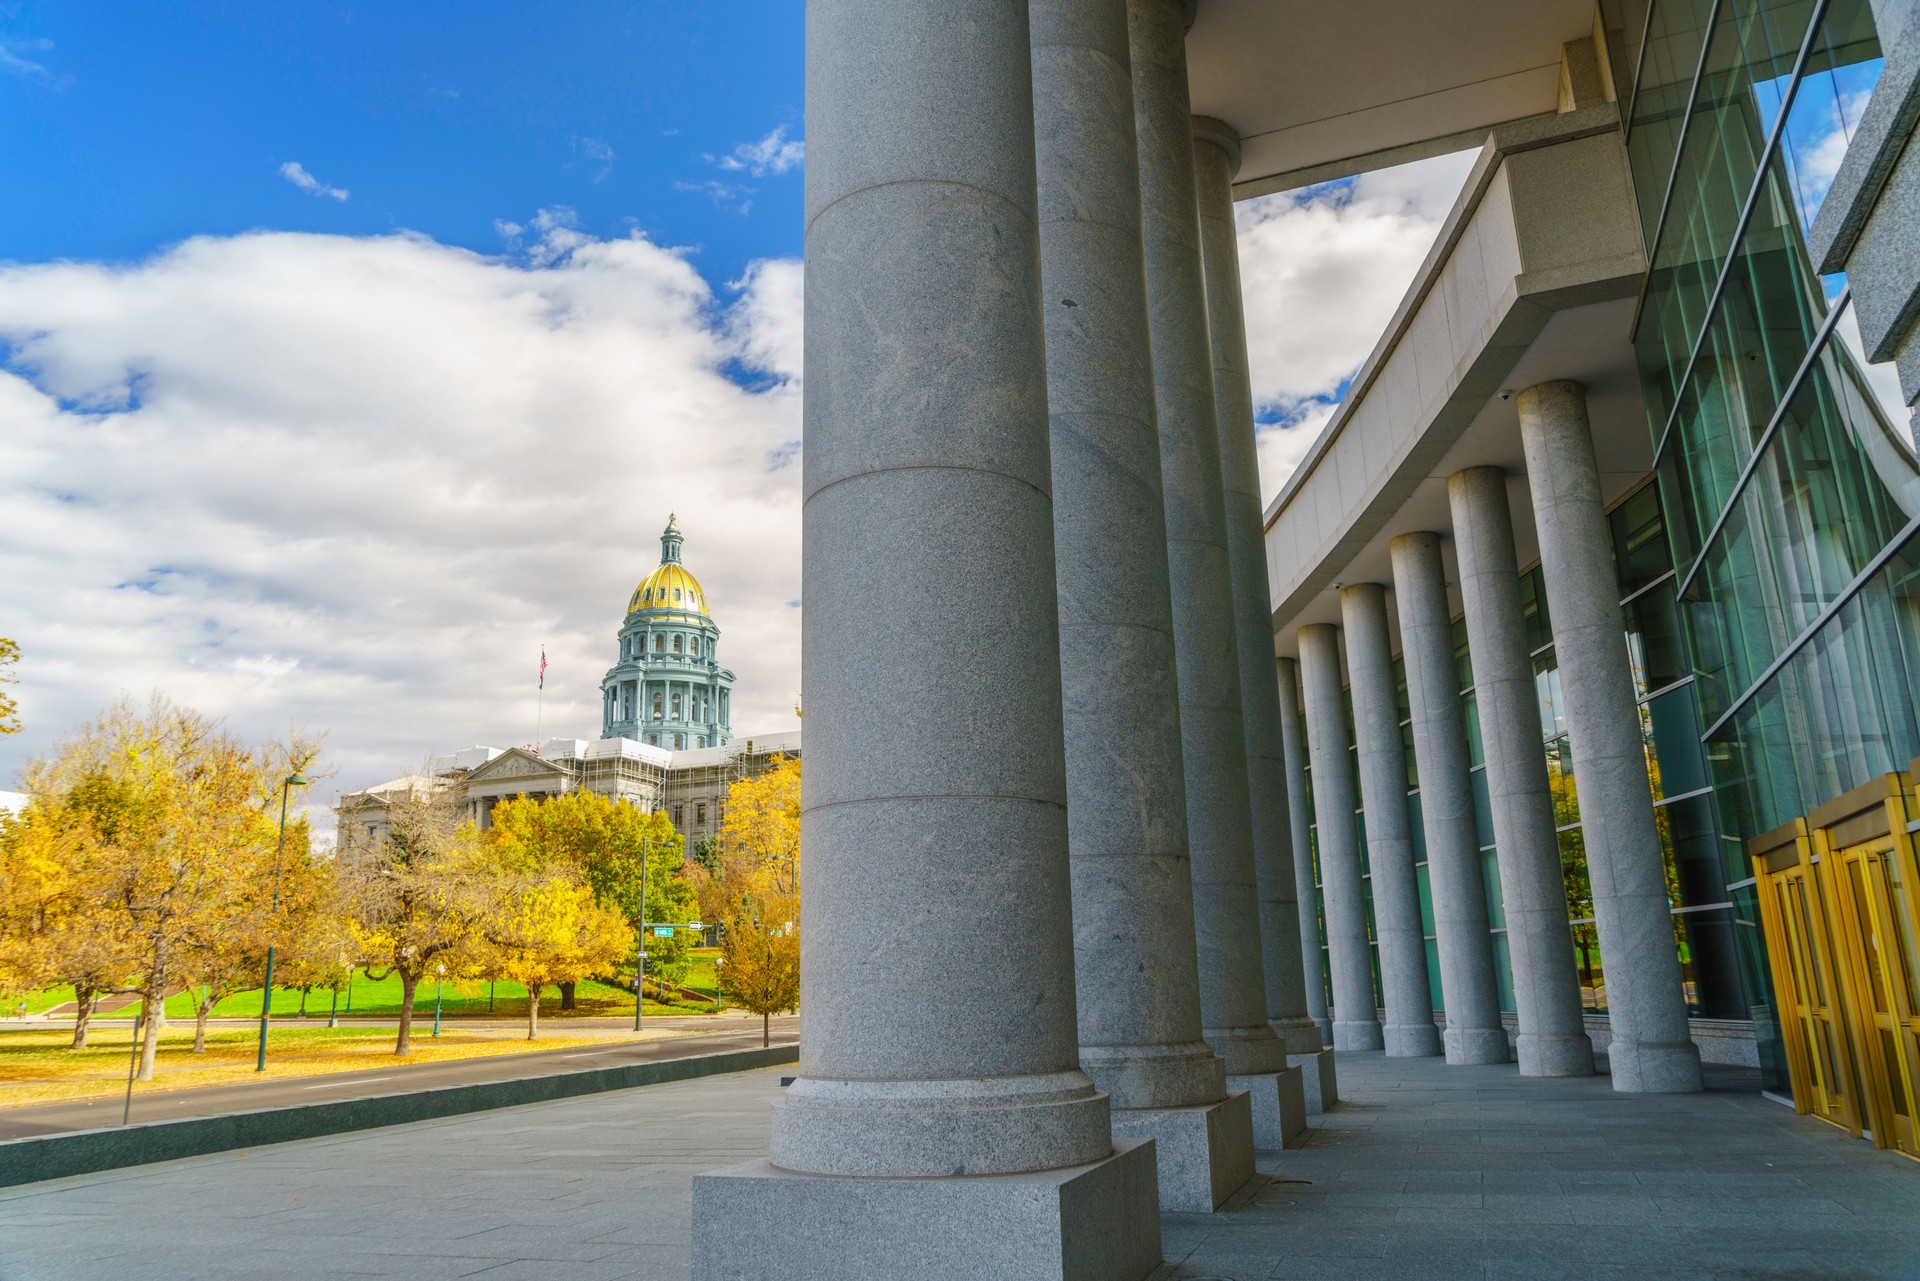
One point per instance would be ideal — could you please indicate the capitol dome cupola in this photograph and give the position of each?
(668, 689)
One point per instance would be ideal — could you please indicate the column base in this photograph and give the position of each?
(1471, 1046)
(1204, 1154)
(1300, 1035)
(1096, 1222)
(1358, 1034)
(1410, 1040)
(1279, 1107)
(1563, 1055)
(1651, 1067)
(1317, 1080)
(1326, 1031)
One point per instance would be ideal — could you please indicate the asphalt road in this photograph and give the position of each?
(252, 1096)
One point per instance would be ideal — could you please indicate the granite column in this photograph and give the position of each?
(927, 473)
(1552, 1038)
(1216, 157)
(1293, 743)
(1468, 989)
(1212, 738)
(1134, 957)
(1652, 1049)
(1409, 1031)
(1356, 1018)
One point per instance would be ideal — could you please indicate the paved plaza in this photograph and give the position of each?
(1425, 1172)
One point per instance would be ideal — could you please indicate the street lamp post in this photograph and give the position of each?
(640, 947)
(279, 866)
(439, 986)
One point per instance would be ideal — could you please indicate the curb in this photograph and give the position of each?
(59, 1156)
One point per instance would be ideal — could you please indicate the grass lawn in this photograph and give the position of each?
(36, 1066)
(365, 997)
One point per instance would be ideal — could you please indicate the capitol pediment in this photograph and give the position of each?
(515, 763)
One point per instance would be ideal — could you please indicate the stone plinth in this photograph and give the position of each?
(1083, 1223)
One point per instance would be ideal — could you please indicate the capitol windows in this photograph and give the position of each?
(679, 815)
(659, 644)
(676, 595)
(676, 644)
(676, 707)
(700, 814)
(679, 742)
(657, 715)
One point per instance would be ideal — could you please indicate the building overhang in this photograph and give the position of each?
(1319, 91)
(1532, 277)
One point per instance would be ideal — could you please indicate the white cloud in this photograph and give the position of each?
(775, 153)
(296, 173)
(15, 62)
(1322, 270)
(725, 195)
(597, 153)
(356, 483)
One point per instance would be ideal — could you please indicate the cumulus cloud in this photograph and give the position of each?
(775, 153)
(357, 482)
(296, 173)
(1321, 271)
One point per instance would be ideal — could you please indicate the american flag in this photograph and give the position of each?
(543, 667)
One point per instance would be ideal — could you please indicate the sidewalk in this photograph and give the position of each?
(1427, 1173)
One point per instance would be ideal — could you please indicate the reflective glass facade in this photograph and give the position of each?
(1785, 464)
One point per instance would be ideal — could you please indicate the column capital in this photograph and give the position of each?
(1222, 135)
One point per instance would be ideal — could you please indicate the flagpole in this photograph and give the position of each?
(540, 701)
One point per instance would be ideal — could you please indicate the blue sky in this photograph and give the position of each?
(134, 125)
(352, 355)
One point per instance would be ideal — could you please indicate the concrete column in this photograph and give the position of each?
(1469, 991)
(1552, 1039)
(1356, 1020)
(1216, 157)
(1138, 982)
(1409, 1032)
(1652, 1050)
(1212, 737)
(1293, 742)
(927, 475)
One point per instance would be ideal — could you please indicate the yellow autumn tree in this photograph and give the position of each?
(619, 849)
(546, 928)
(9, 709)
(760, 961)
(56, 926)
(758, 853)
(417, 897)
(179, 831)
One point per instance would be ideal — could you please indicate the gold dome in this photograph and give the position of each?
(671, 588)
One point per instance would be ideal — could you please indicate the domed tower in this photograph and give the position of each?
(668, 688)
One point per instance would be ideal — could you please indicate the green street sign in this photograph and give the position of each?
(663, 931)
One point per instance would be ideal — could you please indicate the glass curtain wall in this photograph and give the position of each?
(1785, 462)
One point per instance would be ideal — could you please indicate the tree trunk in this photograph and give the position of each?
(533, 1010)
(200, 1027)
(404, 1046)
(304, 992)
(766, 1036)
(82, 1015)
(154, 1002)
(566, 996)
